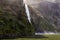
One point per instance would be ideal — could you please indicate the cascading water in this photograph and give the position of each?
(27, 11)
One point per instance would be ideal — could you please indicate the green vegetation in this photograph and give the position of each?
(49, 37)
(46, 25)
(13, 20)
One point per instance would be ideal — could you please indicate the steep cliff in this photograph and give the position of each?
(13, 19)
(46, 16)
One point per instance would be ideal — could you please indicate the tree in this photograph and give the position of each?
(13, 21)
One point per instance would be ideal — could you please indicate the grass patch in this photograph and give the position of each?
(49, 37)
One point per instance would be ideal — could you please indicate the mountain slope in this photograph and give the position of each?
(13, 20)
(46, 17)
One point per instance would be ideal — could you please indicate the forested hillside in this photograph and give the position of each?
(13, 20)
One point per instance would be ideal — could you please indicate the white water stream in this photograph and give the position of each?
(27, 11)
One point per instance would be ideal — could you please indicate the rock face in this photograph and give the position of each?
(13, 19)
(46, 16)
(34, 3)
(51, 11)
(35, 19)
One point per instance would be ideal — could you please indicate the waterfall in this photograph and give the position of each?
(27, 12)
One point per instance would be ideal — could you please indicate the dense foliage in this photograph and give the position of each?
(13, 20)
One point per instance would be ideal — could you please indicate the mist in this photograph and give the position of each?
(33, 2)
